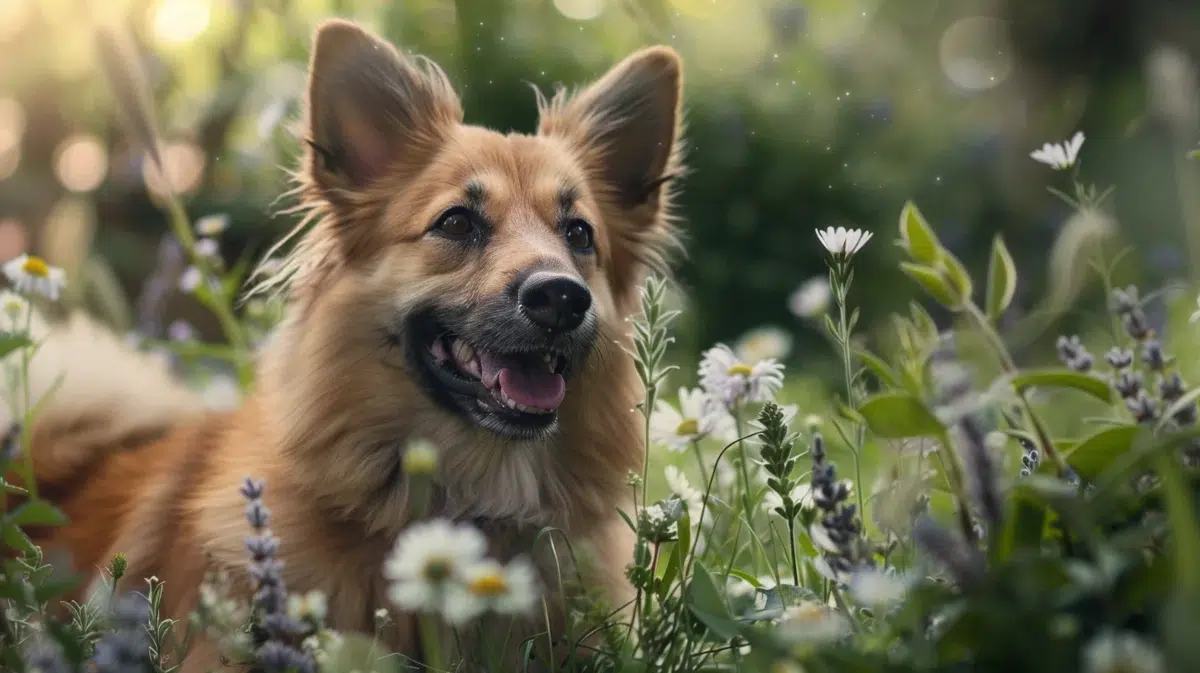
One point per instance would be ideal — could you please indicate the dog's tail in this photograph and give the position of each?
(91, 394)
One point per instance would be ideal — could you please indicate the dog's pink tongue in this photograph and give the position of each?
(527, 383)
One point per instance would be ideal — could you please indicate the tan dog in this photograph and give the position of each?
(452, 284)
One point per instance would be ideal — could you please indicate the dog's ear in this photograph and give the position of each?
(370, 106)
(627, 125)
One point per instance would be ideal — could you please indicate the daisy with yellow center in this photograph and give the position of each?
(32, 275)
(429, 560)
(728, 378)
(695, 419)
(489, 586)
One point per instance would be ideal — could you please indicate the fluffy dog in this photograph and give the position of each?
(451, 284)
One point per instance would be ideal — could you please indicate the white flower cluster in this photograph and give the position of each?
(439, 567)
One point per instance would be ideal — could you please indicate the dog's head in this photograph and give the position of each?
(485, 268)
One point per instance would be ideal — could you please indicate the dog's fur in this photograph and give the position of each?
(140, 467)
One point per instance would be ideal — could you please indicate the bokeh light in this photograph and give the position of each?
(180, 21)
(12, 123)
(579, 10)
(975, 54)
(184, 167)
(81, 163)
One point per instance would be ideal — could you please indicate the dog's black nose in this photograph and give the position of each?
(554, 301)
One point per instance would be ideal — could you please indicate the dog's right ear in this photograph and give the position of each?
(369, 107)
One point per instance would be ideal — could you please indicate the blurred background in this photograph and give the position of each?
(802, 114)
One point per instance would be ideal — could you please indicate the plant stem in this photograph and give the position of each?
(430, 642)
(795, 554)
(1010, 367)
(27, 411)
(841, 283)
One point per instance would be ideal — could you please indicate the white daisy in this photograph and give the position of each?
(695, 419)
(32, 275)
(1124, 652)
(212, 225)
(679, 485)
(872, 587)
(726, 378)
(428, 559)
(811, 298)
(1059, 156)
(763, 343)
(13, 306)
(488, 586)
(843, 241)
(812, 622)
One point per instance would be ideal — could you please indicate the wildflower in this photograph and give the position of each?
(873, 588)
(842, 241)
(1123, 652)
(837, 529)
(14, 307)
(1195, 314)
(212, 225)
(812, 622)
(488, 586)
(1059, 156)
(181, 331)
(126, 646)
(427, 558)
(731, 381)
(46, 657)
(190, 279)
(812, 297)
(1118, 358)
(1073, 354)
(763, 343)
(208, 247)
(682, 489)
(32, 275)
(420, 458)
(657, 523)
(695, 419)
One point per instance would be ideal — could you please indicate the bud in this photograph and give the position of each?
(420, 458)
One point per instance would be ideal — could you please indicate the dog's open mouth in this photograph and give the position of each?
(513, 393)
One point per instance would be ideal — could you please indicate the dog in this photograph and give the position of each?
(448, 283)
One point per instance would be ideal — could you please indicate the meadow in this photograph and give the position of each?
(954, 486)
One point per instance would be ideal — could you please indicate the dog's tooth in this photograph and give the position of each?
(463, 352)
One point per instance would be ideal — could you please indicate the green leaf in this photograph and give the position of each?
(15, 538)
(11, 341)
(918, 237)
(1024, 526)
(878, 367)
(38, 513)
(934, 283)
(1185, 529)
(1188, 400)
(899, 415)
(1095, 453)
(705, 602)
(958, 277)
(1002, 279)
(1064, 378)
(750, 579)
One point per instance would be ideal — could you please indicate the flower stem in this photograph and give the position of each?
(431, 645)
(840, 280)
(795, 554)
(27, 410)
(1010, 367)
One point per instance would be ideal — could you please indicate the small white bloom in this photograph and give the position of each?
(1196, 314)
(1123, 652)
(695, 419)
(811, 298)
(428, 559)
(1059, 156)
(180, 330)
(812, 622)
(872, 587)
(843, 241)
(763, 343)
(14, 307)
(212, 225)
(727, 378)
(679, 485)
(32, 275)
(207, 247)
(489, 586)
(190, 279)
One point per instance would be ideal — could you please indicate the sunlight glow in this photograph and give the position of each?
(181, 21)
(81, 163)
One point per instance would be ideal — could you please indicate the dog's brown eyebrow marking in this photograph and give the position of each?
(567, 196)
(474, 195)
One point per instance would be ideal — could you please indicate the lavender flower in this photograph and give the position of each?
(126, 647)
(276, 653)
(1073, 354)
(838, 531)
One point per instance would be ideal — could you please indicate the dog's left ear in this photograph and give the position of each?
(627, 125)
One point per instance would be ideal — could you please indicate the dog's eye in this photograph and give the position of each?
(456, 224)
(579, 235)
